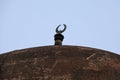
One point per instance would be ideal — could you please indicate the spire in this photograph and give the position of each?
(58, 36)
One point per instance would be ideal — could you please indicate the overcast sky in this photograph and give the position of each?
(32, 23)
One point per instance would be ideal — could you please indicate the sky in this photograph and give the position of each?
(32, 23)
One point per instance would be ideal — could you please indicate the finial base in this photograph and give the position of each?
(58, 42)
(58, 39)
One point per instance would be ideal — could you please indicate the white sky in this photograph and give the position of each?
(32, 23)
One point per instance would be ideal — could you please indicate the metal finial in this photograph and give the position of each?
(61, 31)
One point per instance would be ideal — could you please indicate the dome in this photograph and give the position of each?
(60, 63)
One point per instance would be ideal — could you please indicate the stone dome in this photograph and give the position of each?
(60, 63)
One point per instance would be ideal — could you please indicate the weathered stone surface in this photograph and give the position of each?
(60, 63)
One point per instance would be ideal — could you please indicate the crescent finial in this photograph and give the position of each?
(61, 31)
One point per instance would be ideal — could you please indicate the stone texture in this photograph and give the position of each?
(60, 63)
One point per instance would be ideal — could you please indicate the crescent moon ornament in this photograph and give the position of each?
(61, 31)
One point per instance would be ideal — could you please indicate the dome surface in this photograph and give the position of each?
(60, 63)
